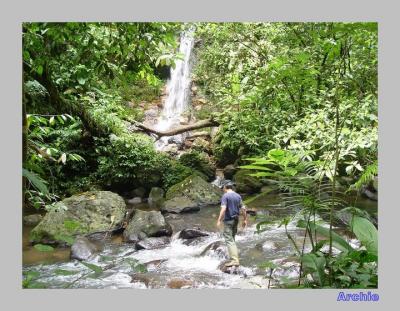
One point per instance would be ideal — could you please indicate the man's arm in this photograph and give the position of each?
(221, 214)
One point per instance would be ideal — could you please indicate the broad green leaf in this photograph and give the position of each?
(97, 269)
(316, 265)
(366, 232)
(255, 167)
(39, 70)
(36, 181)
(268, 265)
(337, 241)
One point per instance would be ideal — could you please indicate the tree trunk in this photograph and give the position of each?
(199, 134)
(181, 129)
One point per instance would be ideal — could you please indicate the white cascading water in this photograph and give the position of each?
(177, 91)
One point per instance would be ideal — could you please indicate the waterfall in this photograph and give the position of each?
(177, 92)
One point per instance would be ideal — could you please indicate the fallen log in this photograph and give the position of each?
(198, 134)
(178, 130)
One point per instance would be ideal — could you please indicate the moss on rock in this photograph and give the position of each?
(84, 213)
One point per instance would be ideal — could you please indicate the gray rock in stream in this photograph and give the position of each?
(217, 247)
(369, 194)
(83, 249)
(192, 233)
(153, 243)
(180, 205)
(146, 224)
(190, 195)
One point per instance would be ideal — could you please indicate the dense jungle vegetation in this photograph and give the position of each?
(295, 102)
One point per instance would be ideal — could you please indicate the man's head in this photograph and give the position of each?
(228, 187)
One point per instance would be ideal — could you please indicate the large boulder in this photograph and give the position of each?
(146, 224)
(156, 197)
(191, 194)
(246, 183)
(180, 205)
(86, 213)
(83, 249)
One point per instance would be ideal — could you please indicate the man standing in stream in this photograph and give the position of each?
(231, 206)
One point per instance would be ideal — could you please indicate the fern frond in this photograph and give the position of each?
(367, 176)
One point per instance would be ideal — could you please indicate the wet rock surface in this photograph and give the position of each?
(192, 233)
(190, 195)
(153, 243)
(84, 213)
(156, 197)
(83, 249)
(146, 224)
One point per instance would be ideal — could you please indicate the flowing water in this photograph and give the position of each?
(178, 92)
(193, 264)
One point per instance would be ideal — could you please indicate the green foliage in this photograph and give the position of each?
(135, 265)
(174, 172)
(198, 161)
(43, 248)
(275, 85)
(370, 172)
(129, 159)
(83, 81)
(36, 181)
(366, 233)
(30, 280)
(306, 188)
(315, 265)
(52, 142)
(98, 271)
(337, 241)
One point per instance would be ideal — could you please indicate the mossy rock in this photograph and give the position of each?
(199, 162)
(180, 205)
(156, 197)
(246, 183)
(146, 224)
(81, 214)
(197, 190)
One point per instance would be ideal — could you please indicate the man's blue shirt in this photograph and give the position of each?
(233, 203)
